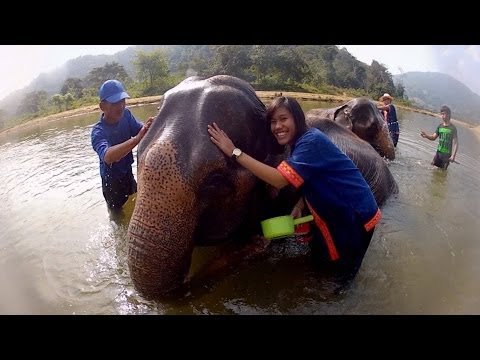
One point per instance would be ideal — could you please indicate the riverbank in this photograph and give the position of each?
(150, 100)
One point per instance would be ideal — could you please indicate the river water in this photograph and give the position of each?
(61, 252)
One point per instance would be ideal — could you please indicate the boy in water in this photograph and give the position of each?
(448, 140)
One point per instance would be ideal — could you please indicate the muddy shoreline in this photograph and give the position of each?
(151, 100)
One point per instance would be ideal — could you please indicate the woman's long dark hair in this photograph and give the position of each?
(294, 108)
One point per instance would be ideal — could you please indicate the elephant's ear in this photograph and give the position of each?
(340, 111)
(343, 116)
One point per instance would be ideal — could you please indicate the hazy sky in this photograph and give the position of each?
(460, 61)
(20, 64)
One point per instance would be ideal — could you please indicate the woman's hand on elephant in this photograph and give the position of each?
(221, 139)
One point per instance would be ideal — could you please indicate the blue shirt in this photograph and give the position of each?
(334, 188)
(392, 120)
(105, 135)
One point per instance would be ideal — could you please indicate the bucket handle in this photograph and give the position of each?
(302, 220)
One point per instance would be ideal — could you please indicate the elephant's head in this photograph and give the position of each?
(362, 117)
(189, 192)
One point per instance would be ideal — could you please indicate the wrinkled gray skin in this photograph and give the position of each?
(372, 166)
(361, 116)
(190, 194)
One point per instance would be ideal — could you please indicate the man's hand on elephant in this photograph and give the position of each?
(145, 128)
(221, 139)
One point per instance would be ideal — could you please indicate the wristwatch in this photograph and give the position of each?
(236, 153)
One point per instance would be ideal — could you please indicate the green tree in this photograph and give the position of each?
(151, 67)
(192, 60)
(33, 102)
(109, 71)
(319, 59)
(262, 58)
(73, 86)
(349, 72)
(58, 100)
(278, 65)
(232, 60)
(289, 65)
(68, 100)
(379, 80)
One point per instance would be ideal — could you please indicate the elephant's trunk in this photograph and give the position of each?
(161, 228)
(383, 143)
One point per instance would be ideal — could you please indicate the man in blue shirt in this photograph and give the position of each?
(113, 137)
(391, 117)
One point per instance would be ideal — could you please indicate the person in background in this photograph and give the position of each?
(448, 143)
(390, 114)
(332, 188)
(113, 137)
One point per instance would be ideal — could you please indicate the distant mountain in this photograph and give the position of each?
(431, 90)
(79, 67)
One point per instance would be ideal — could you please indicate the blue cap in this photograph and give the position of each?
(112, 91)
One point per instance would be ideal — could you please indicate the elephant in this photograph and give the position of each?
(372, 166)
(190, 194)
(361, 116)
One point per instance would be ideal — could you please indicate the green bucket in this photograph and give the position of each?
(282, 226)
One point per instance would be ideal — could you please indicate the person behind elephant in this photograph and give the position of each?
(113, 137)
(448, 140)
(331, 187)
(390, 114)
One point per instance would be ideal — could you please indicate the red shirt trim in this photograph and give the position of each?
(322, 226)
(370, 224)
(290, 174)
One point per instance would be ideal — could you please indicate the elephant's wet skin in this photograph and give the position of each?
(190, 194)
(361, 116)
(233, 256)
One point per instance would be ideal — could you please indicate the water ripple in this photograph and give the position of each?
(56, 226)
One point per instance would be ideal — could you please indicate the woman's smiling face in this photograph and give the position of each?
(283, 127)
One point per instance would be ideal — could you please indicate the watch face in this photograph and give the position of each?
(236, 152)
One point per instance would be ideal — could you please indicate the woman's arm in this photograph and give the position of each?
(267, 173)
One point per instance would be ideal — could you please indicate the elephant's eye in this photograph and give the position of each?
(219, 182)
